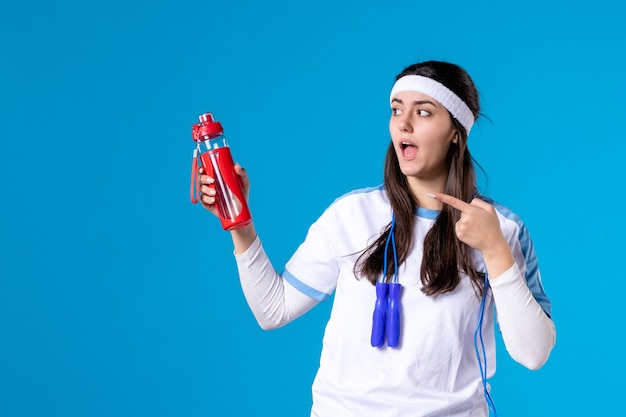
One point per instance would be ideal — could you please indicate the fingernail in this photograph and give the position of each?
(431, 195)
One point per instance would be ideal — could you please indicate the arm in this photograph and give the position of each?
(273, 301)
(529, 334)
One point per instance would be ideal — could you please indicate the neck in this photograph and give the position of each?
(421, 188)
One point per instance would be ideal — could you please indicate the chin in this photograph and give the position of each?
(409, 171)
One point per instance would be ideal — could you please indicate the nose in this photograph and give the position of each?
(404, 124)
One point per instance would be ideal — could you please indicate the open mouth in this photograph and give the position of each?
(409, 150)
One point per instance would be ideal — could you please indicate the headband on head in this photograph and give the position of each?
(418, 83)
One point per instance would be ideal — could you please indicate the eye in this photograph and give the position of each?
(423, 113)
(395, 111)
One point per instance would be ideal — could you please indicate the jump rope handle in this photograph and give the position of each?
(393, 315)
(380, 314)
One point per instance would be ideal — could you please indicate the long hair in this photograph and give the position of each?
(445, 257)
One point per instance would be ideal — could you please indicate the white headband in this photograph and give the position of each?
(439, 92)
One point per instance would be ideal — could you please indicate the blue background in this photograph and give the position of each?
(118, 297)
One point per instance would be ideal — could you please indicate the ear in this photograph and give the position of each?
(455, 138)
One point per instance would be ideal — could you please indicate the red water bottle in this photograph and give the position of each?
(213, 154)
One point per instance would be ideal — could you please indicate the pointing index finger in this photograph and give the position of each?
(451, 201)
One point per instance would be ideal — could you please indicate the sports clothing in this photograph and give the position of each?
(434, 371)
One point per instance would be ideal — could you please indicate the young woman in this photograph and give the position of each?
(416, 265)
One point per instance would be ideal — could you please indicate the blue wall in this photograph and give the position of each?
(118, 297)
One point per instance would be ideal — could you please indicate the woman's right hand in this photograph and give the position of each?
(207, 188)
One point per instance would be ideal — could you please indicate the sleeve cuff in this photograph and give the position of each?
(250, 253)
(510, 276)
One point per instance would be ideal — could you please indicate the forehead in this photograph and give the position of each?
(414, 97)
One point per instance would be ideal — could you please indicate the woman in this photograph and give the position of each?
(427, 235)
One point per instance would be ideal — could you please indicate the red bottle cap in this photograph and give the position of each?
(207, 128)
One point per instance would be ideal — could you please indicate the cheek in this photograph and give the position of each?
(392, 127)
(436, 138)
(436, 150)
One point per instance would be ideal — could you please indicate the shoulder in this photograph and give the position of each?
(361, 200)
(368, 195)
(510, 220)
(367, 207)
(523, 251)
(514, 229)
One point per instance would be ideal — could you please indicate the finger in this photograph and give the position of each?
(481, 203)
(205, 179)
(206, 190)
(241, 171)
(208, 200)
(243, 176)
(451, 201)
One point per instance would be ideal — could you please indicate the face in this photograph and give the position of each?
(422, 131)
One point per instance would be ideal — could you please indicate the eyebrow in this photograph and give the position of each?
(417, 102)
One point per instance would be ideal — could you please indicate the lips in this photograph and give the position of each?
(409, 150)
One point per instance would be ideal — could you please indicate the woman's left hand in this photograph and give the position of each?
(478, 226)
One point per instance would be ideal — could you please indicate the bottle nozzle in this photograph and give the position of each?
(207, 128)
(206, 118)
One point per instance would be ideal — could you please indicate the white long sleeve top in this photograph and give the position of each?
(434, 371)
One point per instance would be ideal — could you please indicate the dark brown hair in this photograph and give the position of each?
(445, 256)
